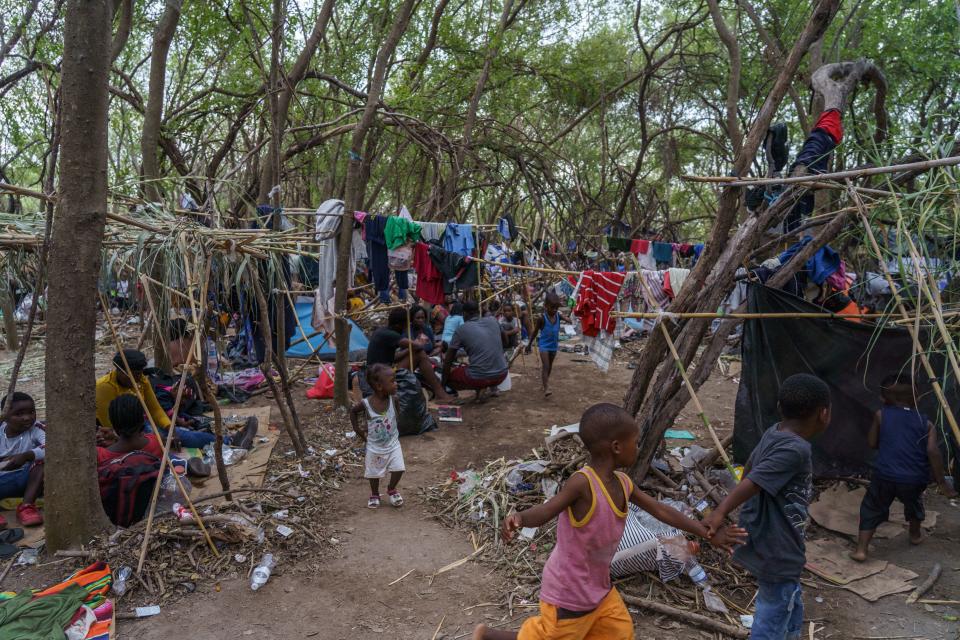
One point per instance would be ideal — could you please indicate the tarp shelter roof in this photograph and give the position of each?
(852, 358)
(318, 343)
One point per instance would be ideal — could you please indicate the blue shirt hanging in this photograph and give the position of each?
(459, 238)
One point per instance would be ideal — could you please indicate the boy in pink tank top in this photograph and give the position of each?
(577, 601)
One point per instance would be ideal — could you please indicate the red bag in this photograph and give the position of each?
(323, 388)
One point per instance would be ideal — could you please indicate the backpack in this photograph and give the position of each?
(126, 486)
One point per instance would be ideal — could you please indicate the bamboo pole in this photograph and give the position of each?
(733, 181)
(914, 334)
(166, 448)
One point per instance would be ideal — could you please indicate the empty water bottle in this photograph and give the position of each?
(697, 573)
(262, 573)
(120, 581)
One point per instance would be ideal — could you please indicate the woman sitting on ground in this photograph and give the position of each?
(422, 332)
(126, 415)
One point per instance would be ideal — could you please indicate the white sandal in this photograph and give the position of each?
(373, 502)
(395, 498)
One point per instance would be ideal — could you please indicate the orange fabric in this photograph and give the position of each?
(97, 572)
(609, 621)
(851, 309)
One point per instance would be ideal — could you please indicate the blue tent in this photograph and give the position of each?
(300, 348)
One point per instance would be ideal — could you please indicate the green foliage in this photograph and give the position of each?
(556, 62)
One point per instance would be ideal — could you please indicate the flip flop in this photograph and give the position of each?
(8, 551)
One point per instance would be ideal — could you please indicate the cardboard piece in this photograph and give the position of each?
(838, 509)
(830, 559)
(249, 472)
(891, 580)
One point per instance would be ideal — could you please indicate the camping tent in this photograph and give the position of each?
(315, 341)
(852, 358)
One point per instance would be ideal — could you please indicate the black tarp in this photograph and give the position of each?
(853, 358)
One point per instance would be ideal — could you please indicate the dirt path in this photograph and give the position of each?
(349, 597)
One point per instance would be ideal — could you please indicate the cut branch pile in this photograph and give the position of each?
(479, 500)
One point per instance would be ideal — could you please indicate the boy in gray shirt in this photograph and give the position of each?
(775, 493)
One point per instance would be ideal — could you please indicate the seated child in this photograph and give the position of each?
(22, 447)
(577, 600)
(126, 415)
(379, 432)
(907, 451)
(451, 324)
(509, 327)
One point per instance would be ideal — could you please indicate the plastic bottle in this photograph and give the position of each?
(697, 573)
(262, 573)
(120, 581)
(213, 361)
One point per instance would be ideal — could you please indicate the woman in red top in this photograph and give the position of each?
(126, 415)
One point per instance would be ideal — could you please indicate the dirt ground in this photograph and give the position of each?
(378, 582)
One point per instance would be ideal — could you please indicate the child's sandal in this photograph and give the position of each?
(395, 498)
(373, 502)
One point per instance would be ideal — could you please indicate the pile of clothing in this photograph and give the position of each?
(75, 609)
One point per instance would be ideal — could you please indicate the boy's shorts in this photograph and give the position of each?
(379, 464)
(13, 484)
(609, 621)
(875, 508)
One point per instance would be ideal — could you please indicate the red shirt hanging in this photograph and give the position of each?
(429, 280)
(598, 293)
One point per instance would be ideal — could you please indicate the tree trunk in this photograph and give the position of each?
(153, 115)
(9, 303)
(74, 513)
(448, 204)
(283, 92)
(713, 275)
(357, 167)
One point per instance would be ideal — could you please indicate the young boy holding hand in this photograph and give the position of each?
(775, 491)
(577, 601)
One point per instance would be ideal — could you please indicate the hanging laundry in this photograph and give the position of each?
(400, 231)
(653, 292)
(496, 253)
(698, 251)
(360, 216)
(641, 249)
(618, 244)
(638, 246)
(598, 291)
(327, 228)
(429, 279)
(673, 281)
(601, 349)
(663, 252)
(503, 228)
(404, 213)
(379, 263)
(685, 249)
(457, 270)
(820, 266)
(459, 238)
(432, 230)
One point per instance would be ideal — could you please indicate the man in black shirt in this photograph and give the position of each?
(391, 346)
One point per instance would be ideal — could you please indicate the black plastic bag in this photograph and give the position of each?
(413, 418)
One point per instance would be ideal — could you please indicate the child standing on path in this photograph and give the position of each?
(776, 490)
(577, 601)
(548, 328)
(379, 432)
(907, 451)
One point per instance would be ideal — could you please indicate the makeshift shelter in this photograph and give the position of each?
(851, 357)
(315, 343)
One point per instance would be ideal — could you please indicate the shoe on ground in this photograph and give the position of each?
(28, 515)
(244, 439)
(373, 502)
(197, 468)
(395, 498)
